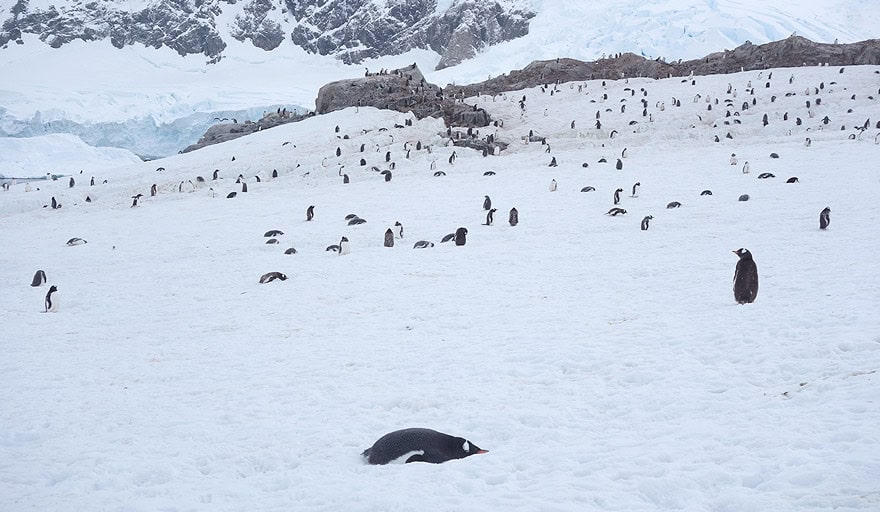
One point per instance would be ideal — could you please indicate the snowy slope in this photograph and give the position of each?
(603, 367)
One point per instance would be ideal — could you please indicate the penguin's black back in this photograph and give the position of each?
(745, 279)
(421, 445)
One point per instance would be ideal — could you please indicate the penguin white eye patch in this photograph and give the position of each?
(466, 446)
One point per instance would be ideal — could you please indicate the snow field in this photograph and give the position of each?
(603, 367)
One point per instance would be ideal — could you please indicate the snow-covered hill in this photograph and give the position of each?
(603, 367)
(151, 100)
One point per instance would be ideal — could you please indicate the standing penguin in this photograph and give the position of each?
(617, 196)
(39, 278)
(310, 213)
(72, 182)
(487, 203)
(745, 279)
(553, 185)
(636, 186)
(513, 219)
(389, 238)
(419, 445)
(490, 217)
(51, 301)
(619, 165)
(399, 228)
(461, 236)
(344, 247)
(825, 218)
(154, 190)
(645, 222)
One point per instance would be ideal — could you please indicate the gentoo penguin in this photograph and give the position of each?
(447, 238)
(273, 233)
(92, 182)
(76, 241)
(271, 276)
(389, 238)
(673, 204)
(793, 179)
(619, 164)
(387, 175)
(231, 195)
(72, 182)
(423, 244)
(744, 197)
(733, 159)
(745, 279)
(51, 301)
(746, 167)
(40, 277)
(645, 222)
(55, 204)
(154, 189)
(292, 250)
(310, 213)
(513, 219)
(807, 142)
(487, 203)
(345, 179)
(616, 211)
(355, 221)
(419, 445)
(243, 186)
(344, 247)
(553, 185)
(706, 192)
(824, 220)
(399, 227)
(765, 175)
(490, 217)
(461, 236)
(553, 162)
(636, 186)
(334, 248)
(134, 200)
(588, 189)
(216, 174)
(617, 196)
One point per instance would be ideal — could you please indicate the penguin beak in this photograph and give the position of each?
(482, 451)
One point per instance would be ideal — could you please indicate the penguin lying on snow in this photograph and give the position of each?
(419, 445)
(76, 241)
(271, 276)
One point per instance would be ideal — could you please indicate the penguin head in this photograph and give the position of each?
(743, 253)
(53, 289)
(397, 223)
(344, 239)
(465, 448)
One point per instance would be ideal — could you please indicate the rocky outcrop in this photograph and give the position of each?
(791, 52)
(229, 131)
(404, 90)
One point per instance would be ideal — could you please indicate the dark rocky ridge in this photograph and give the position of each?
(351, 30)
(794, 51)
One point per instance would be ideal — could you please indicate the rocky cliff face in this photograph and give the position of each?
(351, 30)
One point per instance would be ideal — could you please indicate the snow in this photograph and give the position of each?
(56, 154)
(603, 367)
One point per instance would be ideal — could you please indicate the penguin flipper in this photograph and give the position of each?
(366, 454)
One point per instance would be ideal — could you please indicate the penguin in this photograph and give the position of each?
(419, 445)
(92, 182)
(272, 241)
(744, 197)
(807, 142)
(793, 179)
(588, 189)
(154, 189)
(706, 192)
(271, 276)
(645, 222)
(635, 189)
(356, 221)
(673, 204)
(513, 218)
(290, 251)
(345, 179)
(389, 238)
(461, 236)
(489, 173)
(134, 200)
(76, 241)
(216, 174)
(553, 162)
(273, 233)
(55, 204)
(447, 238)
(51, 300)
(423, 244)
(490, 217)
(399, 228)
(619, 164)
(617, 196)
(231, 195)
(334, 248)
(344, 247)
(733, 159)
(387, 175)
(765, 175)
(40, 278)
(310, 213)
(616, 211)
(824, 220)
(553, 185)
(72, 182)
(487, 203)
(745, 279)
(746, 167)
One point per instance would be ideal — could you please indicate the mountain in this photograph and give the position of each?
(351, 30)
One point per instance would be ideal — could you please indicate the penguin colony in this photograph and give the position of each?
(812, 118)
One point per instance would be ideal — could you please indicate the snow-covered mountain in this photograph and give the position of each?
(137, 74)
